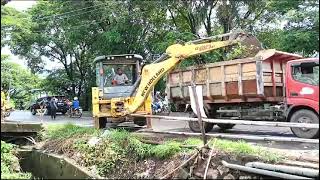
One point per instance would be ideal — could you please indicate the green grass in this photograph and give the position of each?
(193, 141)
(129, 144)
(166, 150)
(8, 161)
(67, 131)
(243, 148)
(118, 146)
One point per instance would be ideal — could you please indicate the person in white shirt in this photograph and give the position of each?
(120, 78)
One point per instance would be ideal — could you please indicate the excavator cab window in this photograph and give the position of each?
(110, 72)
(107, 68)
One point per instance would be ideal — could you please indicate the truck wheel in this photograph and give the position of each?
(226, 126)
(194, 126)
(305, 116)
(140, 121)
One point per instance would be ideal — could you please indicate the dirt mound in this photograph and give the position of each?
(195, 168)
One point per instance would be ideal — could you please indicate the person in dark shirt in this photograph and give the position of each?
(53, 108)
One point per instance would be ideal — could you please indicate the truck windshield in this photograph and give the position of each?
(306, 74)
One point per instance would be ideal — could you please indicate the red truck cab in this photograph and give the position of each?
(302, 95)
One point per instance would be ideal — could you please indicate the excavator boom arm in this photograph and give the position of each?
(152, 73)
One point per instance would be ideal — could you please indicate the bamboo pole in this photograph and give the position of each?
(246, 137)
(185, 162)
(208, 164)
(229, 121)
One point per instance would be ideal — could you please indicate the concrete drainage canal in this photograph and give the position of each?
(50, 166)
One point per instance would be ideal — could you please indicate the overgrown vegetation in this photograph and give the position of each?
(243, 148)
(105, 151)
(64, 131)
(10, 168)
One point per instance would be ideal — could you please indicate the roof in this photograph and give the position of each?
(275, 54)
(110, 57)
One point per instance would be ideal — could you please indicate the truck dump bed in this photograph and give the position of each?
(253, 79)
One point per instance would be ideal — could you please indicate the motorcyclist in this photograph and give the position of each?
(157, 102)
(75, 104)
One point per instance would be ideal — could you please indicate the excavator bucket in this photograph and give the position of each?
(250, 43)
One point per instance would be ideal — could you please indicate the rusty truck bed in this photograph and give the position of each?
(253, 79)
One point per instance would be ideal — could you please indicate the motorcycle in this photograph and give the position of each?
(160, 105)
(77, 112)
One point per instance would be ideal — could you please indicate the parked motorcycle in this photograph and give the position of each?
(77, 112)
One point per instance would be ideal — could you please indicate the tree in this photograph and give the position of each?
(73, 33)
(18, 82)
(301, 32)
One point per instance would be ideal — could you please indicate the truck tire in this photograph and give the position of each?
(305, 116)
(226, 126)
(194, 126)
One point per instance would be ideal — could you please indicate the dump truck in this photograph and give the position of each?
(273, 85)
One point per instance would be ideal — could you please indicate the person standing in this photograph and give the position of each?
(53, 108)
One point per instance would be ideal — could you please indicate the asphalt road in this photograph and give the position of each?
(26, 116)
(182, 126)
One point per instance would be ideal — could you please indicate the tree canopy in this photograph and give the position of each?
(73, 33)
(18, 82)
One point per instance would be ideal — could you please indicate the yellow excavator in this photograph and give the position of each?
(5, 106)
(114, 103)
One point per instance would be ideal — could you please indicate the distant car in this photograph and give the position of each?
(62, 104)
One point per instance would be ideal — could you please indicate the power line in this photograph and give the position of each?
(62, 14)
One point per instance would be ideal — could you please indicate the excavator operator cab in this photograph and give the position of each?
(116, 74)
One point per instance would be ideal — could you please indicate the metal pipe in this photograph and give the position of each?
(262, 172)
(286, 169)
(242, 122)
